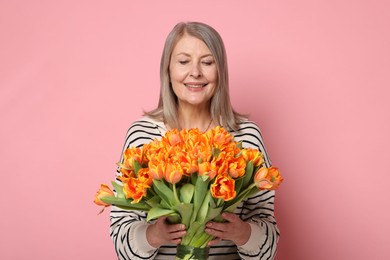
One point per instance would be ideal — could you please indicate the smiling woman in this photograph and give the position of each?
(194, 94)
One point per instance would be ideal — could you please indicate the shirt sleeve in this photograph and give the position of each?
(128, 227)
(258, 210)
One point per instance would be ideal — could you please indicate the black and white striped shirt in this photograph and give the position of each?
(128, 228)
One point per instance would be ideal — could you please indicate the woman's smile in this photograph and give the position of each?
(195, 86)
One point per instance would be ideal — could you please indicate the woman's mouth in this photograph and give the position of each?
(195, 86)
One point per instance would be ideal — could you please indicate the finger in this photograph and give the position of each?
(215, 233)
(214, 241)
(176, 241)
(231, 217)
(218, 226)
(162, 219)
(176, 234)
(175, 228)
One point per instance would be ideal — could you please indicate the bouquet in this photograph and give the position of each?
(191, 177)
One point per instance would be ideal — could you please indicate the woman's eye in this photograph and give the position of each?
(183, 62)
(207, 63)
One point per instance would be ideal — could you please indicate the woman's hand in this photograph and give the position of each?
(162, 233)
(234, 229)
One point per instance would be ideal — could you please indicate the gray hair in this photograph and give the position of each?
(220, 106)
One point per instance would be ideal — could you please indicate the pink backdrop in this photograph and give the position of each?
(313, 74)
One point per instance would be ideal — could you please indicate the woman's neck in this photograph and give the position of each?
(195, 118)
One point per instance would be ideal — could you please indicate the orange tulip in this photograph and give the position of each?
(237, 167)
(204, 153)
(156, 169)
(220, 137)
(205, 169)
(205, 140)
(104, 191)
(135, 189)
(132, 154)
(173, 172)
(172, 137)
(126, 174)
(253, 155)
(191, 138)
(268, 178)
(154, 148)
(219, 164)
(145, 177)
(223, 188)
(188, 163)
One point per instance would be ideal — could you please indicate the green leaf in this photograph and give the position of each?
(155, 200)
(202, 239)
(248, 174)
(163, 204)
(194, 178)
(201, 189)
(191, 232)
(230, 206)
(124, 203)
(215, 152)
(174, 218)
(118, 189)
(213, 213)
(185, 211)
(187, 192)
(157, 212)
(136, 166)
(165, 193)
(202, 214)
(199, 233)
(238, 184)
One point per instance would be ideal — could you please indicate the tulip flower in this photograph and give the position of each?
(135, 189)
(219, 164)
(173, 137)
(145, 177)
(268, 178)
(173, 173)
(132, 154)
(223, 188)
(156, 169)
(188, 163)
(253, 155)
(104, 191)
(237, 167)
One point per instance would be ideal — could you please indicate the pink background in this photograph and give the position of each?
(313, 74)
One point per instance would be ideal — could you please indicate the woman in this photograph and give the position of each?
(195, 94)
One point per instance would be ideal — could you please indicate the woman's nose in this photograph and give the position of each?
(195, 71)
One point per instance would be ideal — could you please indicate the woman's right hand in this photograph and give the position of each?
(162, 233)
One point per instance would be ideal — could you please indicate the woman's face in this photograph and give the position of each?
(193, 72)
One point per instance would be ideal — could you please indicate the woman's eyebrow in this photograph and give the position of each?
(188, 55)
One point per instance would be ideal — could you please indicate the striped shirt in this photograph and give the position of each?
(128, 228)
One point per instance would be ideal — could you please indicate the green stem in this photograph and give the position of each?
(220, 202)
(175, 194)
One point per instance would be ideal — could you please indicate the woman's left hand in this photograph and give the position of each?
(234, 229)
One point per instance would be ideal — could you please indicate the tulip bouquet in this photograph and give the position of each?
(191, 177)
